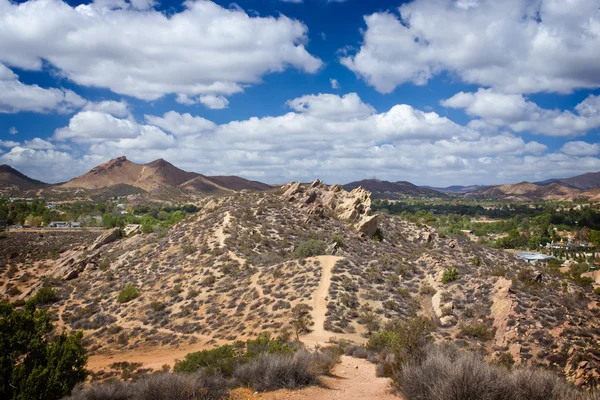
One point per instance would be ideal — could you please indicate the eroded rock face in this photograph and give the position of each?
(368, 225)
(73, 262)
(318, 200)
(106, 238)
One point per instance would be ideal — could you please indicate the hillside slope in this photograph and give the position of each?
(585, 181)
(14, 182)
(392, 190)
(527, 191)
(154, 176)
(239, 266)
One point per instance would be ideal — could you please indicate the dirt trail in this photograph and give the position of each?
(220, 238)
(501, 308)
(153, 358)
(319, 304)
(220, 232)
(352, 379)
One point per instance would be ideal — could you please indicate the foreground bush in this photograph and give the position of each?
(159, 386)
(451, 374)
(399, 342)
(225, 359)
(33, 366)
(285, 371)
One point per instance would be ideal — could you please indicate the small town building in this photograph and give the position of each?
(533, 258)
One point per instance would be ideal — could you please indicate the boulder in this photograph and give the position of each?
(448, 320)
(316, 183)
(368, 225)
(293, 189)
(105, 239)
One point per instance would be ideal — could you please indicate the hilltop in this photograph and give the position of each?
(526, 191)
(156, 175)
(245, 261)
(13, 182)
(392, 190)
(586, 181)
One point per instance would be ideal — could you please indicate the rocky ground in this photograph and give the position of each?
(235, 269)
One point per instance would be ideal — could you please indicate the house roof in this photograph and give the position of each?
(533, 256)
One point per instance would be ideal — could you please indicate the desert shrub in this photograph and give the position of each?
(448, 373)
(278, 371)
(400, 341)
(338, 239)
(128, 293)
(32, 365)
(597, 291)
(209, 280)
(527, 277)
(113, 390)
(165, 386)
(157, 306)
(450, 275)
(45, 295)
(427, 290)
(225, 359)
(221, 360)
(477, 331)
(310, 248)
(476, 261)
(159, 386)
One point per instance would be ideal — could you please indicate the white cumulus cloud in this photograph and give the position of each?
(514, 46)
(132, 49)
(514, 111)
(16, 96)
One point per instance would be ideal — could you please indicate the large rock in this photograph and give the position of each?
(368, 225)
(319, 201)
(105, 239)
(290, 190)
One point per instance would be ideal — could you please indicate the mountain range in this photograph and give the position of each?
(392, 190)
(129, 177)
(121, 176)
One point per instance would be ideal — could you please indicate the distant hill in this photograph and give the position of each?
(154, 176)
(13, 182)
(391, 190)
(587, 181)
(528, 191)
(457, 189)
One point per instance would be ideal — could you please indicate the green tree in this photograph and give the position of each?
(33, 366)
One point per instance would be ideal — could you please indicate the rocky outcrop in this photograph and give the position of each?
(106, 238)
(584, 373)
(368, 225)
(72, 263)
(319, 200)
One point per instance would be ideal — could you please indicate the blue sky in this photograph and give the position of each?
(434, 92)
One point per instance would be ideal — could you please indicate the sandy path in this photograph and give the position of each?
(153, 358)
(319, 304)
(220, 232)
(501, 308)
(353, 379)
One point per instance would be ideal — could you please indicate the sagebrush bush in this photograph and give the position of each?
(310, 248)
(128, 293)
(159, 386)
(449, 373)
(45, 295)
(278, 371)
(225, 359)
(450, 275)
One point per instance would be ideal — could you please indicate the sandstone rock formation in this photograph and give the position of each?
(319, 200)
